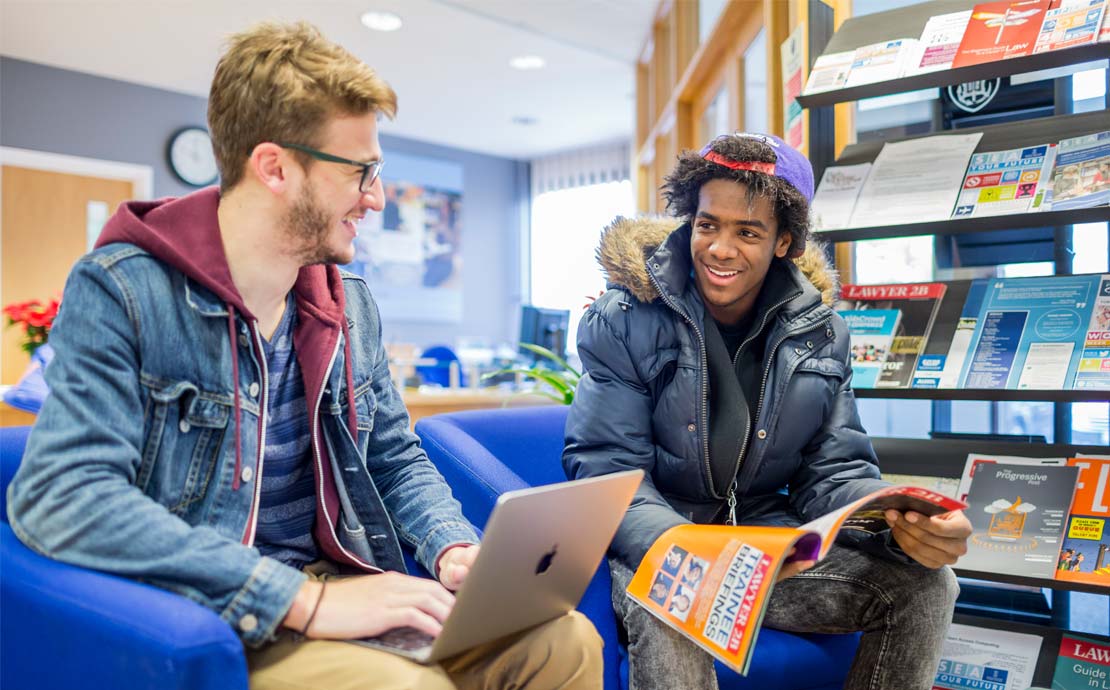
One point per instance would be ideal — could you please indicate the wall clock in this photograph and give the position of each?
(191, 158)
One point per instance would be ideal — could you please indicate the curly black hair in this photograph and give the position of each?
(683, 184)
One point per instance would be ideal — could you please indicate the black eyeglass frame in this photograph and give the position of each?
(370, 171)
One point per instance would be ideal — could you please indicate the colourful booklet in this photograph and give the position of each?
(940, 41)
(712, 582)
(940, 364)
(1082, 175)
(916, 302)
(872, 332)
(1004, 182)
(1085, 553)
(1082, 663)
(1000, 30)
(1094, 363)
(1070, 23)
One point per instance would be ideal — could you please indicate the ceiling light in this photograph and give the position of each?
(524, 120)
(381, 21)
(526, 62)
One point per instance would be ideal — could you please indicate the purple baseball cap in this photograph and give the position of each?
(790, 166)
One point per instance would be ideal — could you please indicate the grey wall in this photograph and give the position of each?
(60, 111)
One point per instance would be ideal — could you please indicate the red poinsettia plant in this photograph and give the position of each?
(35, 317)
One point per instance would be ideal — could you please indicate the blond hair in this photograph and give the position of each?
(281, 83)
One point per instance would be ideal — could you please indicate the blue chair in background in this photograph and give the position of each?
(485, 453)
(440, 372)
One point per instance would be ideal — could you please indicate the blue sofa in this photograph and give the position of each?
(484, 453)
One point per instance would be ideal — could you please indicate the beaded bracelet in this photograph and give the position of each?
(312, 616)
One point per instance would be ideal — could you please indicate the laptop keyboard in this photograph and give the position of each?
(406, 639)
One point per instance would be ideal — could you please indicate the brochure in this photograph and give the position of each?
(986, 659)
(1070, 23)
(880, 61)
(915, 181)
(872, 332)
(1000, 30)
(792, 53)
(975, 461)
(1083, 555)
(1004, 182)
(829, 72)
(712, 582)
(917, 303)
(1031, 332)
(1082, 175)
(1094, 364)
(1082, 663)
(939, 42)
(1017, 514)
(836, 195)
(942, 360)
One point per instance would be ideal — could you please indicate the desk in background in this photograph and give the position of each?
(422, 404)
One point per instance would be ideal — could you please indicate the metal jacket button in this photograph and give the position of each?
(248, 623)
(253, 390)
(184, 426)
(691, 427)
(247, 474)
(761, 434)
(244, 341)
(809, 344)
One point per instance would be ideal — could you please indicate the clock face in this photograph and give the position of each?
(191, 157)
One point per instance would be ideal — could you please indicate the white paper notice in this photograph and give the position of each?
(1046, 366)
(880, 61)
(829, 72)
(915, 181)
(975, 657)
(836, 195)
(939, 43)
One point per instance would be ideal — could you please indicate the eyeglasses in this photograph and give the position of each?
(370, 171)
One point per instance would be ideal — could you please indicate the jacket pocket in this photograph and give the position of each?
(184, 434)
(366, 405)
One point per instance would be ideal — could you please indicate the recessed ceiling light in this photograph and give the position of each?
(381, 21)
(526, 62)
(524, 120)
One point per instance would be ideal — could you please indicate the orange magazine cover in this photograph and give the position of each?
(1085, 551)
(1000, 30)
(711, 582)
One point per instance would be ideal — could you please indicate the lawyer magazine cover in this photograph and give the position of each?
(1017, 515)
(711, 582)
(1083, 662)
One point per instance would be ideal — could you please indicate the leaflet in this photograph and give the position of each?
(1004, 182)
(829, 72)
(915, 181)
(1072, 23)
(940, 42)
(872, 332)
(974, 657)
(942, 361)
(1094, 364)
(836, 195)
(1000, 30)
(1031, 332)
(1082, 175)
(880, 61)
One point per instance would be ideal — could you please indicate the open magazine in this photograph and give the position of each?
(712, 582)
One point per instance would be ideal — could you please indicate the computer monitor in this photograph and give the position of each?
(544, 327)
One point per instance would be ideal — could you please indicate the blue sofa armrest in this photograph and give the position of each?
(66, 627)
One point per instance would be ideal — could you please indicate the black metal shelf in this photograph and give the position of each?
(908, 22)
(967, 226)
(1059, 585)
(1061, 396)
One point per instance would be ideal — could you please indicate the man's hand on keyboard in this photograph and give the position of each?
(369, 605)
(454, 565)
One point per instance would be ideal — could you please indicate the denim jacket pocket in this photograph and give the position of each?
(181, 422)
(366, 404)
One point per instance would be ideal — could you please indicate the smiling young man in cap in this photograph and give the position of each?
(716, 365)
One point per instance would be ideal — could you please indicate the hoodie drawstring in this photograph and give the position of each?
(235, 385)
(352, 416)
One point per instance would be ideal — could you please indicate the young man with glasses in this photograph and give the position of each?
(222, 423)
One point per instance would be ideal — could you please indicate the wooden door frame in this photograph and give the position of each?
(140, 176)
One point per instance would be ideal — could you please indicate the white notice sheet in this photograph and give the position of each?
(836, 195)
(915, 181)
(975, 657)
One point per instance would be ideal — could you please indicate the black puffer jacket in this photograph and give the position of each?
(643, 401)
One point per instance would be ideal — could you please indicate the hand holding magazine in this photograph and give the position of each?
(712, 582)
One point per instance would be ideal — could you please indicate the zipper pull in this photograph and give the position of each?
(732, 505)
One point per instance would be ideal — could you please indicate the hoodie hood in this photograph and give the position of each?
(627, 243)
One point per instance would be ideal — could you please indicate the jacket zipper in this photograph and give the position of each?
(263, 416)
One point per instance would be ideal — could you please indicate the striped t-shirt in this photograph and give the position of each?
(287, 510)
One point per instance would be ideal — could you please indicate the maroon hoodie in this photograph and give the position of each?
(185, 234)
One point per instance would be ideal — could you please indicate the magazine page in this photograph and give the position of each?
(829, 72)
(1000, 30)
(1084, 554)
(836, 195)
(975, 657)
(872, 332)
(1070, 23)
(880, 61)
(1017, 515)
(917, 303)
(1001, 182)
(1082, 175)
(942, 360)
(939, 42)
(1094, 363)
(1031, 332)
(915, 181)
(1082, 663)
(711, 583)
(976, 461)
(940, 485)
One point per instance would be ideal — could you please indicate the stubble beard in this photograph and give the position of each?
(305, 230)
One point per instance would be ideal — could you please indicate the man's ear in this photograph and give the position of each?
(782, 243)
(270, 166)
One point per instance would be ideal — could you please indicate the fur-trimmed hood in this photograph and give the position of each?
(627, 243)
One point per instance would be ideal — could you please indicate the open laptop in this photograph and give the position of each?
(539, 552)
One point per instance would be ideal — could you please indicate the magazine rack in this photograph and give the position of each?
(946, 458)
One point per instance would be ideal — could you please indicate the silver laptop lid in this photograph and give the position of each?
(539, 552)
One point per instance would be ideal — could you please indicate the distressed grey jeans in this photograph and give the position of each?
(902, 609)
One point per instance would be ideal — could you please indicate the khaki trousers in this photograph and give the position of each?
(563, 653)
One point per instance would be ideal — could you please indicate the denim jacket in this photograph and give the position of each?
(145, 459)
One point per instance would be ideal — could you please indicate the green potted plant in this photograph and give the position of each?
(556, 379)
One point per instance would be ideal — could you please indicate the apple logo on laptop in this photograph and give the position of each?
(545, 560)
